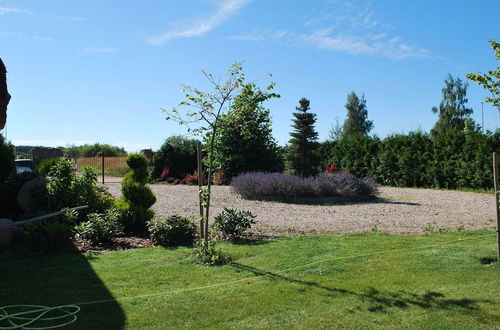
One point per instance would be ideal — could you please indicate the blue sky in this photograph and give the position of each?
(85, 71)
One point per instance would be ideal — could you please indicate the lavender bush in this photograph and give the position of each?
(256, 185)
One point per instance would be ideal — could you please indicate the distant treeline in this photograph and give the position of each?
(86, 150)
(93, 150)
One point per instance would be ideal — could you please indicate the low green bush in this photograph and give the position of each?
(66, 190)
(45, 165)
(232, 223)
(48, 236)
(173, 231)
(206, 253)
(101, 227)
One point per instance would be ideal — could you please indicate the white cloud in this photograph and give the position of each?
(225, 10)
(359, 45)
(344, 26)
(98, 50)
(19, 35)
(5, 10)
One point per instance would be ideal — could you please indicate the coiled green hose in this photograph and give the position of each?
(36, 316)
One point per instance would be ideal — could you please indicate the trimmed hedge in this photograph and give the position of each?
(451, 161)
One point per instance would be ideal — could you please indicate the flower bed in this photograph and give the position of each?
(259, 185)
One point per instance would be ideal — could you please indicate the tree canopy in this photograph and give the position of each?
(244, 140)
(491, 80)
(452, 110)
(357, 122)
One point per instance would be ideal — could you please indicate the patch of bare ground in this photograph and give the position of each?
(397, 211)
(117, 243)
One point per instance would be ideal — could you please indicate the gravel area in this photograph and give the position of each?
(398, 211)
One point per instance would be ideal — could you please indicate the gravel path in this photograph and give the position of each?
(400, 211)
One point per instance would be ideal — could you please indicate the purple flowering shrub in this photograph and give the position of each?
(256, 185)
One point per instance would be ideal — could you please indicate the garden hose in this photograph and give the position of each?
(43, 317)
(37, 317)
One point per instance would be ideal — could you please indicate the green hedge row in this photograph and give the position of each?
(455, 160)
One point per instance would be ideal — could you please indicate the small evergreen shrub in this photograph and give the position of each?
(173, 231)
(137, 198)
(278, 185)
(232, 223)
(101, 227)
(45, 165)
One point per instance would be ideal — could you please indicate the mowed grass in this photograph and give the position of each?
(416, 282)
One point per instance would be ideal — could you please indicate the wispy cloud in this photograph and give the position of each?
(348, 27)
(98, 50)
(6, 10)
(375, 45)
(76, 19)
(224, 11)
(19, 35)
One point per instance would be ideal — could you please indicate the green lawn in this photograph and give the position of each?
(418, 283)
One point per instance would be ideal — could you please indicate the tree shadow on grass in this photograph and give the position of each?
(60, 279)
(380, 301)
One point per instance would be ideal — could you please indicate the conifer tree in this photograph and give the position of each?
(357, 122)
(303, 156)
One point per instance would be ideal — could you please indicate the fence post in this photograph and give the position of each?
(102, 167)
(495, 186)
(200, 184)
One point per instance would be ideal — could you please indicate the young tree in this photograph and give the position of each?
(490, 81)
(244, 141)
(452, 110)
(357, 122)
(303, 156)
(336, 131)
(207, 109)
(4, 95)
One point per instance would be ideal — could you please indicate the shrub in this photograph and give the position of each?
(45, 165)
(137, 198)
(232, 223)
(7, 156)
(101, 227)
(452, 160)
(192, 179)
(48, 236)
(205, 252)
(178, 154)
(278, 185)
(173, 231)
(67, 190)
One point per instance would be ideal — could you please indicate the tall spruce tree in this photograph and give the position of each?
(303, 156)
(357, 122)
(452, 110)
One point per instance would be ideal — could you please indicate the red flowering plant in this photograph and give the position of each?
(330, 168)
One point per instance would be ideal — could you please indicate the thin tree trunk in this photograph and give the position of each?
(209, 184)
(200, 185)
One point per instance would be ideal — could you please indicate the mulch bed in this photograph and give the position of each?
(116, 244)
